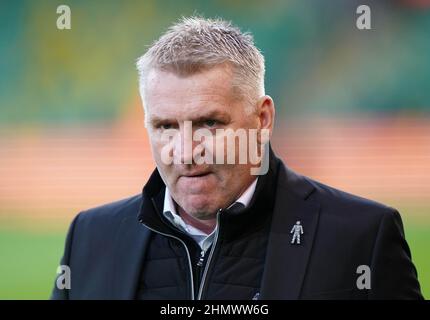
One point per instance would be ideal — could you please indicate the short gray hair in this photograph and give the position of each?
(195, 44)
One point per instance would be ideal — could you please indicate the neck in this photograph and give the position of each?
(207, 226)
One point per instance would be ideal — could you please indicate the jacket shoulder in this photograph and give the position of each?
(338, 203)
(113, 211)
(328, 194)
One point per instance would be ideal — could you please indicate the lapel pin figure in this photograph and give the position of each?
(297, 230)
(256, 296)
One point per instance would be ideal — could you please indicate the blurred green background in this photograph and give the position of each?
(353, 111)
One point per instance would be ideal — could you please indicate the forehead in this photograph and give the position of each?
(170, 95)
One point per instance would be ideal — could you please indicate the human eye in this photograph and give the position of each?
(211, 123)
(166, 126)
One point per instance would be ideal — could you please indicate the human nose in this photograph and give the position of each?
(184, 144)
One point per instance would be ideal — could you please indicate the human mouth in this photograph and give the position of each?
(196, 174)
(196, 182)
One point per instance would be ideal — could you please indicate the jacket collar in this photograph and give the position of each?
(233, 223)
(286, 263)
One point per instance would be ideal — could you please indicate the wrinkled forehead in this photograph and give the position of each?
(170, 95)
(215, 79)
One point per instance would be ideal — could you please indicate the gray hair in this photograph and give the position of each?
(195, 44)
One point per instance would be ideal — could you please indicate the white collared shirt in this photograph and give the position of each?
(204, 240)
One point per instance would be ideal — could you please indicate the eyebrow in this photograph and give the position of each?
(215, 114)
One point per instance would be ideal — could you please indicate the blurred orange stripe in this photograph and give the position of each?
(73, 169)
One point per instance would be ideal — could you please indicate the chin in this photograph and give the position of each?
(199, 206)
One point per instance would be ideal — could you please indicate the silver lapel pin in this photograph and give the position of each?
(297, 230)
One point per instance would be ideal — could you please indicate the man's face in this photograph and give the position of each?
(207, 100)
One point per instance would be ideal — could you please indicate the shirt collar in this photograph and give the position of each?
(245, 198)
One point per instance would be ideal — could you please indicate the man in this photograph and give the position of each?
(214, 229)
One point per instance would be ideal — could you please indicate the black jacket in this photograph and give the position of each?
(106, 246)
(232, 268)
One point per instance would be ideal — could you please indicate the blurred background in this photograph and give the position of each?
(353, 111)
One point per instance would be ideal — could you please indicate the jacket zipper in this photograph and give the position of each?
(188, 256)
(199, 265)
(201, 259)
(202, 283)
